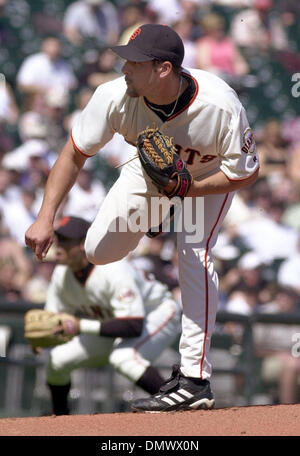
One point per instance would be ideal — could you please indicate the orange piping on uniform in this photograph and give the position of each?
(77, 148)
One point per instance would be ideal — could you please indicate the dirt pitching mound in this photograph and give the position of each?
(275, 420)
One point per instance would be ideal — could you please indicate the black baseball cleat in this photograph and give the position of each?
(176, 394)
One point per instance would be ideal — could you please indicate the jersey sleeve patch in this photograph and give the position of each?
(126, 295)
(238, 156)
(249, 146)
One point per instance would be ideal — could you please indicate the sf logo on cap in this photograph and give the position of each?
(135, 34)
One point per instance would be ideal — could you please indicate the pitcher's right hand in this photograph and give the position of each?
(39, 237)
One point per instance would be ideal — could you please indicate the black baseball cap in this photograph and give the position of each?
(151, 42)
(70, 227)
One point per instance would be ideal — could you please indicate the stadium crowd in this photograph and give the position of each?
(52, 57)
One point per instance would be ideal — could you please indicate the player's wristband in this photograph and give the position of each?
(89, 326)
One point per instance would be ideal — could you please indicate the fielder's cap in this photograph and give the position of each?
(72, 227)
(151, 42)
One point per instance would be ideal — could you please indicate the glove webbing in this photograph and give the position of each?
(181, 188)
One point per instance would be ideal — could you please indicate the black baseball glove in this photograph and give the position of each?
(161, 162)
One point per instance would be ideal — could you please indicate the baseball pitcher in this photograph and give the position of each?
(193, 143)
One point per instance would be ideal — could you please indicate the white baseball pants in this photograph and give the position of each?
(130, 356)
(133, 193)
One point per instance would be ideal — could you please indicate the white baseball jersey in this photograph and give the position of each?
(211, 133)
(113, 291)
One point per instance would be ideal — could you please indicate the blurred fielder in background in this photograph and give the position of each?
(126, 319)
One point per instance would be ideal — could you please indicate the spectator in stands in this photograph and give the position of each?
(255, 28)
(291, 215)
(86, 196)
(9, 40)
(289, 271)
(15, 267)
(284, 193)
(216, 52)
(233, 3)
(9, 114)
(184, 28)
(46, 70)
(294, 166)
(9, 111)
(170, 11)
(265, 236)
(289, 10)
(167, 12)
(81, 100)
(102, 69)
(18, 215)
(36, 287)
(36, 178)
(273, 151)
(9, 192)
(33, 132)
(291, 130)
(274, 344)
(7, 142)
(28, 165)
(92, 19)
(244, 296)
(265, 231)
(56, 105)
